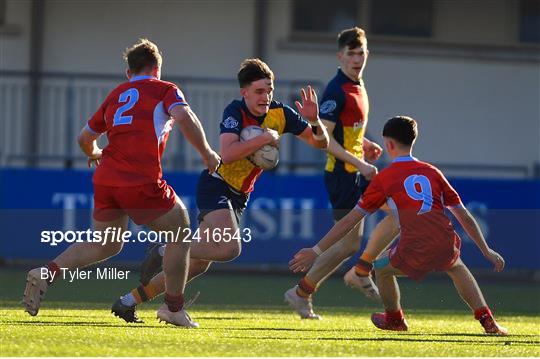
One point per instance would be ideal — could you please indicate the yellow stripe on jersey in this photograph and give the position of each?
(352, 142)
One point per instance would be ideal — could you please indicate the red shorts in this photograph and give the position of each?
(142, 204)
(417, 266)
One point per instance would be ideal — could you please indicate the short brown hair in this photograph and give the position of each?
(144, 54)
(403, 129)
(353, 38)
(253, 70)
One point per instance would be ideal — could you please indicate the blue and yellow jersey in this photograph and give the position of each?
(242, 174)
(345, 102)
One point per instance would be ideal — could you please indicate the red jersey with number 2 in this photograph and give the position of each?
(136, 118)
(417, 193)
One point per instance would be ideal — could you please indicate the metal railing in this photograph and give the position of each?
(67, 101)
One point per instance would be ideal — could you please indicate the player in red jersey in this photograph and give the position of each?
(137, 117)
(418, 193)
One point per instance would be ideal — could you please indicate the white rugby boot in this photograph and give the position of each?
(363, 284)
(180, 318)
(34, 292)
(302, 306)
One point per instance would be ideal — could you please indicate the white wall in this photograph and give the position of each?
(197, 38)
(15, 44)
(469, 111)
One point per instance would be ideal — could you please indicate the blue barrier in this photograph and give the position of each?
(286, 213)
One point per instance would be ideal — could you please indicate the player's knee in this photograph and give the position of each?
(184, 245)
(231, 252)
(199, 266)
(458, 267)
(111, 249)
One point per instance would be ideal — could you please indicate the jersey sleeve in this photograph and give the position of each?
(173, 97)
(294, 123)
(232, 120)
(96, 124)
(332, 103)
(449, 194)
(373, 198)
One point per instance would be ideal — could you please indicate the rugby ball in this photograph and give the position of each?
(266, 157)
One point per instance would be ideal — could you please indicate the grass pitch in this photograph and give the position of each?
(244, 316)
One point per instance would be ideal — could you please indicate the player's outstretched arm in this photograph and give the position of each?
(192, 130)
(472, 229)
(306, 256)
(88, 144)
(232, 149)
(315, 135)
(336, 150)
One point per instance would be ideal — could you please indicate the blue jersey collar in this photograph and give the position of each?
(404, 159)
(141, 77)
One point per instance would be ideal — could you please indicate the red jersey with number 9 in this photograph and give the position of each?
(136, 118)
(417, 193)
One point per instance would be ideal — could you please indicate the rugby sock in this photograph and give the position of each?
(174, 302)
(54, 270)
(144, 293)
(482, 313)
(305, 289)
(364, 266)
(395, 316)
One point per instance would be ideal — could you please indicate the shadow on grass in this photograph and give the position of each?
(400, 338)
(396, 337)
(472, 335)
(81, 324)
(203, 317)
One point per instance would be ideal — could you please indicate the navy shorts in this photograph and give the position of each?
(213, 193)
(344, 191)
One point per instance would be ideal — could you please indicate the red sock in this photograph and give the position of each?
(305, 288)
(395, 315)
(482, 312)
(174, 302)
(54, 269)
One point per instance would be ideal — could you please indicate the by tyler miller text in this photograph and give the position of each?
(78, 274)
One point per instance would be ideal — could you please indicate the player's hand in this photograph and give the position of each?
(94, 159)
(496, 259)
(271, 136)
(372, 151)
(309, 108)
(211, 161)
(302, 260)
(367, 170)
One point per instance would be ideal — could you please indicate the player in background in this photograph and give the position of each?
(344, 111)
(222, 196)
(418, 193)
(137, 117)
